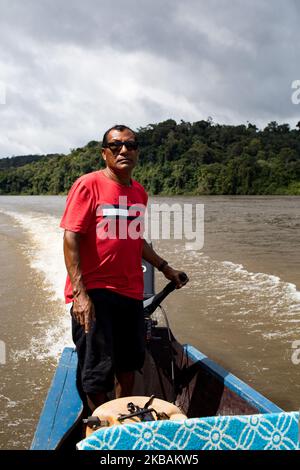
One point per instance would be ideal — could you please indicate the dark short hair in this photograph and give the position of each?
(117, 127)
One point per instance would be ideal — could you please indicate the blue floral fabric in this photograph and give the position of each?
(275, 431)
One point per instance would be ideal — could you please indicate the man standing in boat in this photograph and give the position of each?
(104, 262)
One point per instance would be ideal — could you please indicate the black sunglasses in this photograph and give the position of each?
(116, 145)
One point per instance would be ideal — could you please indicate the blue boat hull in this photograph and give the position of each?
(211, 397)
(223, 412)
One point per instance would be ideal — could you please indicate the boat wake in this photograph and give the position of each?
(45, 256)
(262, 303)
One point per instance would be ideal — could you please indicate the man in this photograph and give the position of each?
(105, 278)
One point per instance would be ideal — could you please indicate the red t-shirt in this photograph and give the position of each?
(109, 216)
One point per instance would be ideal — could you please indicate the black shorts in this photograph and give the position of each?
(115, 342)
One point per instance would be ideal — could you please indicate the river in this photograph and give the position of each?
(241, 306)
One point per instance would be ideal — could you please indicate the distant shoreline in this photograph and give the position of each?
(186, 159)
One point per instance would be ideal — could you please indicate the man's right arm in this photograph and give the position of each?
(83, 307)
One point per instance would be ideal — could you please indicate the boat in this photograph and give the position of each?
(218, 410)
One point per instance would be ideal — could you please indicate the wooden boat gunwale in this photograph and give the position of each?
(63, 407)
(236, 385)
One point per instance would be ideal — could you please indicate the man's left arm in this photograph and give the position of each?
(170, 273)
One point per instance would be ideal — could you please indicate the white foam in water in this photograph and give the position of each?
(49, 345)
(233, 266)
(45, 254)
(294, 292)
(229, 287)
(262, 278)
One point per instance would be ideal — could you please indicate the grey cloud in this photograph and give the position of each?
(93, 23)
(232, 60)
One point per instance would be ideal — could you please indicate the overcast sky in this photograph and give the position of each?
(69, 69)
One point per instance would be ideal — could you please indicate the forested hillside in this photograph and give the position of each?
(14, 162)
(186, 158)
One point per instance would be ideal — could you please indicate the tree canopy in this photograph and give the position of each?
(199, 158)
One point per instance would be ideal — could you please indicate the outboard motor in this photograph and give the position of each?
(148, 271)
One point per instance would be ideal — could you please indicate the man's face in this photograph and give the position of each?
(119, 158)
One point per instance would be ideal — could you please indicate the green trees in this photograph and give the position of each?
(184, 158)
